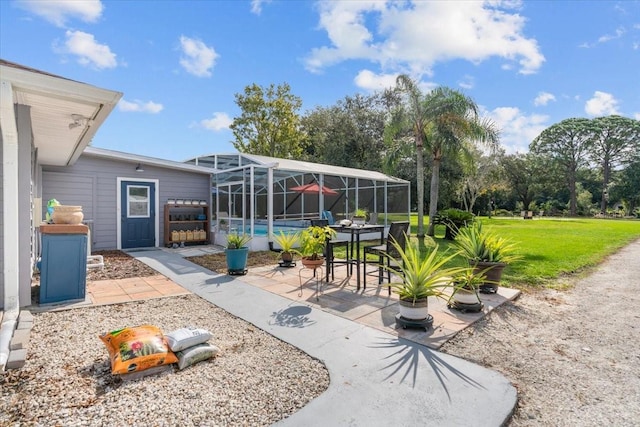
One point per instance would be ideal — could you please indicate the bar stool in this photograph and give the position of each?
(398, 233)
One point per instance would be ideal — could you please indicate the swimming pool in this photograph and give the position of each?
(261, 229)
(259, 241)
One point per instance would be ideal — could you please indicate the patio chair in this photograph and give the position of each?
(397, 232)
(328, 216)
(331, 244)
(373, 218)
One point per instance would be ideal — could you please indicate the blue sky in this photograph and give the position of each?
(528, 64)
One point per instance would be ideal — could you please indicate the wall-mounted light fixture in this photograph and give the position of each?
(78, 120)
(139, 168)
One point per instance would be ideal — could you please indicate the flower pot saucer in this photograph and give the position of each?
(287, 264)
(414, 323)
(237, 272)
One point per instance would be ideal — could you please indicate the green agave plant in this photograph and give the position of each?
(286, 241)
(237, 241)
(422, 276)
(468, 280)
(477, 244)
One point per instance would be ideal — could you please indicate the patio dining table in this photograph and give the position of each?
(356, 231)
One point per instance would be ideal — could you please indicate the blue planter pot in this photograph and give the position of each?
(237, 259)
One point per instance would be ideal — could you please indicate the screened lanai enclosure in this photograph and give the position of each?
(261, 195)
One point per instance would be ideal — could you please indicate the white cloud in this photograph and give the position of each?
(138, 106)
(219, 121)
(89, 52)
(58, 12)
(468, 82)
(636, 116)
(413, 36)
(256, 6)
(608, 37)
(601, 104)
(605, 38)
(517, 129)
(543, 98)
(198, 59)
(375, 82)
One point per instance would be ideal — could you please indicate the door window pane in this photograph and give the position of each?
(137, 202)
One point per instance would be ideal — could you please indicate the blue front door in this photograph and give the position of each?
(138, 214)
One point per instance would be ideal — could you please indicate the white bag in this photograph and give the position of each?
(187, 337)
(195, 354)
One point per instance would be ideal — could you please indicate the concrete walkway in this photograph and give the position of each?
(377, 379)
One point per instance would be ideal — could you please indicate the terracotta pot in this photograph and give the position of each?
(286, 256)
(63, 214)
(414, 311)
(312, 263)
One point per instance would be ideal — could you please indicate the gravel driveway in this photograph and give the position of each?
(574, 356)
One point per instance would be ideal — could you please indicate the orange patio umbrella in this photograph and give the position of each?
(314, 188)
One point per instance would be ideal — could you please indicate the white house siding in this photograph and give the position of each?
(25, 201)
(1, 231)
(25, 226)
(92, 183)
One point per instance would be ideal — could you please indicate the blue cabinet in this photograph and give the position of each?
(63, 272)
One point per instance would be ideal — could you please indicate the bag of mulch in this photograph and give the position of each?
(187, 337)
(197, 353)
(136, 349)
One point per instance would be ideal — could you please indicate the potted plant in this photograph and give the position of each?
(453, 219)
(422, 277)
(312, 244)
(237, 253)
(359, 216)
(466, 285)
(287, 242)
(487, 253)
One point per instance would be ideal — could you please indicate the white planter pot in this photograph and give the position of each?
(417, 311)
(464, 296)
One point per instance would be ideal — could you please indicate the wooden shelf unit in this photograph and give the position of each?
(184, 218)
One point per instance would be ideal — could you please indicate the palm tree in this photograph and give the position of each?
(445, 122)
(454, 127)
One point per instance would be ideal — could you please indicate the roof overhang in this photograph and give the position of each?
(146, 161)
(56, 106)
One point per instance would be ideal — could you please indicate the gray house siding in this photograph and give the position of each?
(92, 182)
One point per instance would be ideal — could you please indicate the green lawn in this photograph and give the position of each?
(551, 247)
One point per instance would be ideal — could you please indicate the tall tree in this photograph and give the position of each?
(414, 114)
(269, 124)
(615, 141)
(523, 173)
(349, 133)
(455, 127)
(444, 122)
(628, 186)
(480, 174)
(566, 144)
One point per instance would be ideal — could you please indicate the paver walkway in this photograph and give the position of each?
(377, 378)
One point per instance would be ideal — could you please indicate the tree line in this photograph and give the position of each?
(575, 167)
